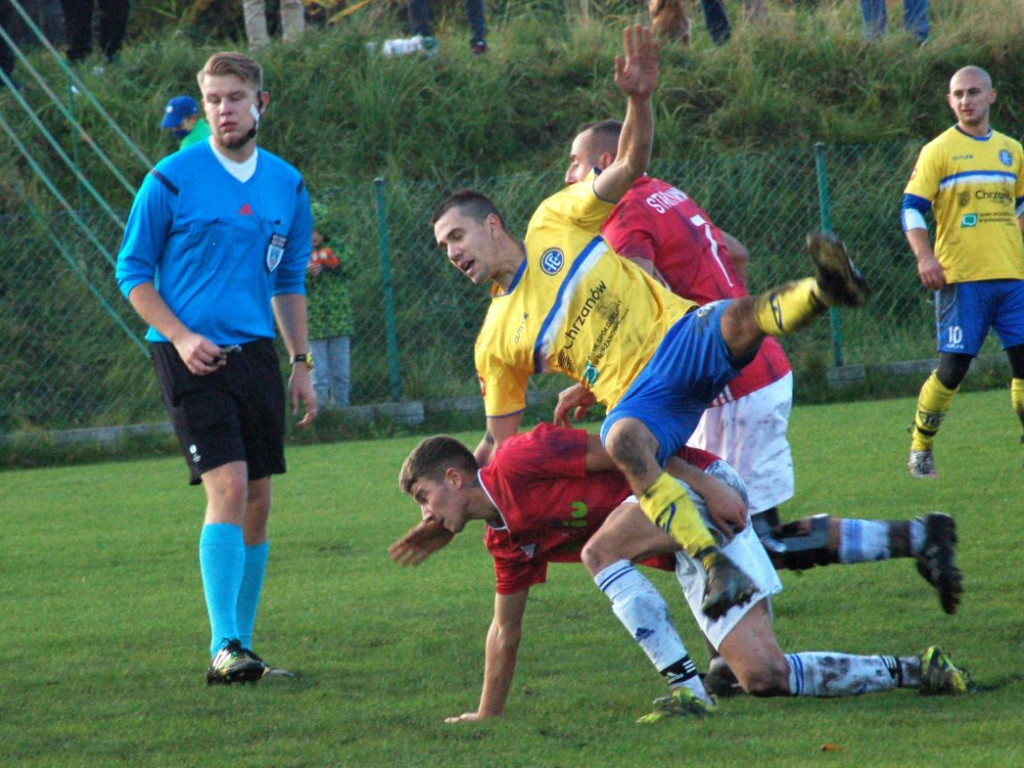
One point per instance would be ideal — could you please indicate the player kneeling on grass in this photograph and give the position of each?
(549, 491)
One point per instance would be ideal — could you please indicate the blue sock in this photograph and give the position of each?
(249, 594)
(221, 561)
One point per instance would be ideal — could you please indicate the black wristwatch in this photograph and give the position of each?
(306, 358)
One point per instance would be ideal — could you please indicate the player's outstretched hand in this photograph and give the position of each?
(419, 543)
(576, 399)
(636, 71)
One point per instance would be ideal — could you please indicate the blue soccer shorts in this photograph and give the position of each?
(688, 370)
(964, 313)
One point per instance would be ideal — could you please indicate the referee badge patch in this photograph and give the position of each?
(275, 251)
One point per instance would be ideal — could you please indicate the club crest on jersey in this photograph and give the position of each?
(1005, 158)
(552, 261)
(275, 251)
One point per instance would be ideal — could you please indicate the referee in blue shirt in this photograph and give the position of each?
(215, 249)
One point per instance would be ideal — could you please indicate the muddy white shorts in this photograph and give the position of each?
(750, 434)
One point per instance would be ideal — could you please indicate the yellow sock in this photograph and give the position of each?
(1017, 398)
(789, 308)
(932, 404)
(669, 507)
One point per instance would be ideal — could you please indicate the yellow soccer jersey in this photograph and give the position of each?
(575, 307)
(973, 185)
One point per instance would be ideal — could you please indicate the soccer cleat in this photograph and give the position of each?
(720, 680)
(682, 702)
(937, 559)
(234, 664)
(940, 677)
(726, 584)
(277, 672)
(478, 45)
(922, 465)
(269, 671)
(840, 283)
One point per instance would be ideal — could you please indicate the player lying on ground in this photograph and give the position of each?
(548, 492)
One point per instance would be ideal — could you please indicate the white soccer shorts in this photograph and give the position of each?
(750, 434)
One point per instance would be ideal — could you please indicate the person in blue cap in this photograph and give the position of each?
(183, 118)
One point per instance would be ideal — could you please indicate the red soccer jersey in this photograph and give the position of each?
(549, 504)
(658, 222)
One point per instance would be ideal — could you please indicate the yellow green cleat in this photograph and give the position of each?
(682, 702)
(941, 677)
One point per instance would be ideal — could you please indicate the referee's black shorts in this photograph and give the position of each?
(234, 414)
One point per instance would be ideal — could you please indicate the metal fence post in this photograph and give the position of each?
(72, 92)
(826, 224)
(389, 298)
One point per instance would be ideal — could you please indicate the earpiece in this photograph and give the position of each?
(255, 118)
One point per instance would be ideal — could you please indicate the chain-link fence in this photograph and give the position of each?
(73, 355)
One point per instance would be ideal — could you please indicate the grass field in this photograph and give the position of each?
(104, 626)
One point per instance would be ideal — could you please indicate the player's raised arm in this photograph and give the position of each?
(636, 75)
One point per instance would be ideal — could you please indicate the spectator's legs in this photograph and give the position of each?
(915, 18)
(293, 20)
(755, 11)
(113, 25)
(477, 20)
(256, 24)
(339, 365)
(78, 28)
(419, 18)
(320, 375)
(875, 18)
(6, 54)
(717, 20)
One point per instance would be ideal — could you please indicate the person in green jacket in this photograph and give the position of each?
(183, 118)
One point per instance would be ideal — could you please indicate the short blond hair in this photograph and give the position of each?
(241, 66)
